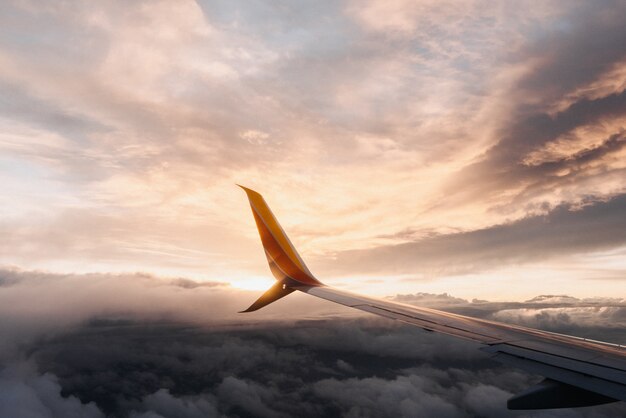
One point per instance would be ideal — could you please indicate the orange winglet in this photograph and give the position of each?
(277, 291)
(285, 262)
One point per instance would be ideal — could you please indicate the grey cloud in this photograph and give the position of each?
(566, 58)
(595, 318)
(444, 300)
(133, 345)
(192, 284)
(25, 393)
(266, 370)
(58, 35)
(146, 363)
(68, 45)
(529, 133)
(17, 104)
(503, 168)
(253, 398)
(563, 231)
(595, 322)
(28, 301)
(430, 299)
(586, 43)
(405, 396)
(538, 129)
(300, 379)
(162, 404)
(486, 400)
(553, 298)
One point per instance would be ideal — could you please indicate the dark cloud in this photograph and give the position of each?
(106, 359)
(26, 393)
(563, 61)
(504, 168)
(579, 49)
(280, 369)
(536, 130)
(303, 92)
(17, 104)
(563, 231)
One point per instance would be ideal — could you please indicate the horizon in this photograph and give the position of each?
(433, 152)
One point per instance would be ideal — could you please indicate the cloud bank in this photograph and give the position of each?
(566, 230)
(125, 352)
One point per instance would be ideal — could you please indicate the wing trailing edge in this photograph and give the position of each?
(277, 291)
(578, 372)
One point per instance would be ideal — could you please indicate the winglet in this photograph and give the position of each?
(285, 262)
(277, 291)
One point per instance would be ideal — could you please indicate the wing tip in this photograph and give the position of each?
(251, 308)
(248, 190)
(278, 290)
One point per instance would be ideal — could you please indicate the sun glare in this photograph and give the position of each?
(252, 282)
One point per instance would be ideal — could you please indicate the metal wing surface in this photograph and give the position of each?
(577, 371)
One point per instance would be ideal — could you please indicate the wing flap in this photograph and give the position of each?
(565, 363)
(570, 376)
(431, 319)
(575, 367)
(571, 360)
(552, 394)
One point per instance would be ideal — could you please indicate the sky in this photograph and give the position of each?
(473, 147)
(465, 155)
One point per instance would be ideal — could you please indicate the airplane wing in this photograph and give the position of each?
(578, 372)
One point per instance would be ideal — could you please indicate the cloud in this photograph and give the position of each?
(394, 137)
(28, 301)
(558, 233)
(404, 396)
(595, 318)
(25, 393)
(270, 371)
(429, 299)
(127, 353)
(135, 122)
(163, 404)
(556, 76)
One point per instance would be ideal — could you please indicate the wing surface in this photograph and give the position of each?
(590, 365)
(577, 371)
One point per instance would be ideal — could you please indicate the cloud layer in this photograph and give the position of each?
(476, 148)
(141, 346)
(566, 230)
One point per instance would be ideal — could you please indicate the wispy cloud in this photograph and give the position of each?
(125, 126)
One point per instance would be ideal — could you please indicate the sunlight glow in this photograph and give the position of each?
(252, 282)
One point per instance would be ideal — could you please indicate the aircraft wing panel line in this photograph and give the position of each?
(426, 324)
(572, 377)
(579, 371)
(609, 373)
(517, 350)
(485, 331)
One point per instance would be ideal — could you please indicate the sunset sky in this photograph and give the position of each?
(476, 148)
(468, 156)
